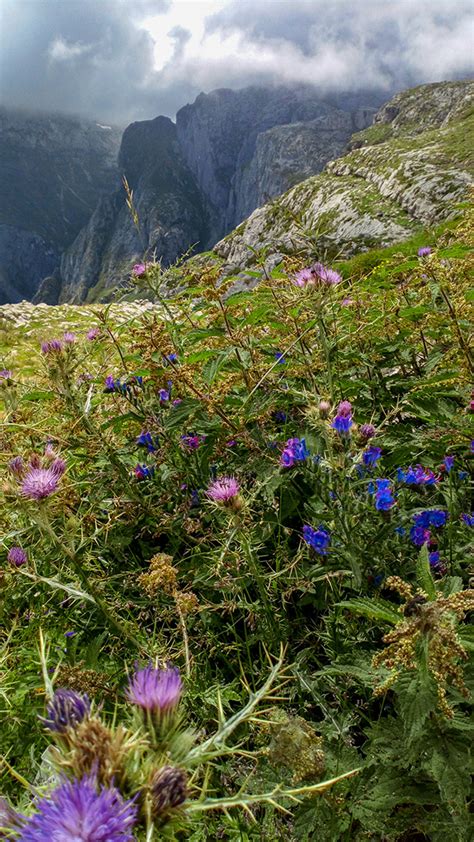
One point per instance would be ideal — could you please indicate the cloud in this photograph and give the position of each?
(119, 60)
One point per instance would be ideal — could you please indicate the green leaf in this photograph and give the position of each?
(376, 609)
(423, 574)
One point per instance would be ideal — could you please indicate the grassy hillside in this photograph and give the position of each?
(315, 602)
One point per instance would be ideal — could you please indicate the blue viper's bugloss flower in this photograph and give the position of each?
(66, 709)
(171, 358)
(145, 439)
(77, 811)
(295, 451)
(431, 517)
(143, 471)
(191, 441)
(401, 531)
(468, 519)
(371, 456)
(164, 395)
(434, 558)
(419, 535)
(318, 539)
(155, 690)
(342, 424)
(417, 476)
(279, 416)
(384, 499)
(279, 357)
(463, 475)
(448, 462)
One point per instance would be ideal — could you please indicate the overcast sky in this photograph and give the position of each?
(120, 60)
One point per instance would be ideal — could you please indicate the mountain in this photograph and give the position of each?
(53, 170)
(407, 170)
(192, 181)
(171, 216)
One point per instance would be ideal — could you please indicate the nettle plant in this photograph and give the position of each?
(243, 470)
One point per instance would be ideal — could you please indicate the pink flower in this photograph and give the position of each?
(224, 490)
(344, 409)
(69, 338)
(93, 333)
(17, 556)
(51, 346)
(39, 483)
(139, 269)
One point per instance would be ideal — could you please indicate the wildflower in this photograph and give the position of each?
(345, 409)
(76, 812)
(371, 456)
(463, 475)
(143, 471)
(342, 425)
(17, 556)
(367, 431)
(139, 269)
(51, 346)
(66, 709)
(225, 490)
(448, 463)
(326, 275)
(468, 519)
(93, 333)
(419, 535)
(295, 451)
(424, 251)
(279, 358)
(145, 439)
(9, 818)
(155, 690)
(171, 358)
(318, 539)
(39, 483)
(168, 790)
(280, 417)
(177, 402)
(384, 499)
(163, 395)
(191, 441)
(17, 466)
(324, 408)
(69, 338)
(431, 517)
(417, 476)
(6, 374)
(400, 530)
(347, 302)
(434, 559)
(303, 278)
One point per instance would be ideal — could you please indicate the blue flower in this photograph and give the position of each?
(279, 358)
(145, 439)
(400, 530)
(384, 499)
(463, 475)
(371, 456)
(434, 559)
(163, 395)
(318, 539)
(448, 462)
(295, 451)
(431, 517)
(143, 471)
(279, 416)
(342, 424)
(419, 535)
(468, 519)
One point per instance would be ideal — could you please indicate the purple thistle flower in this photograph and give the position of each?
(155, 690)
(17, 466)
(139, 269)
(39, 483)
(371, 456)
(367, 431)
(51, 346)
(384, 499)
(77, 812)
(448, 463)
(326, 275)
(66, 710)
(17, 556)
(324, 408)
(9, 818)
(424, 251)
(93, 333)
(223, 490)
(6, 374)
(468, 519)
(345, 409)
(69, 338)
(303, 278)
(318, 539)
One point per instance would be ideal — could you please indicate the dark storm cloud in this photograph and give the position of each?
(80, 56)
(94, 57)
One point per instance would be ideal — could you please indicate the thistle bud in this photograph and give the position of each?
(168, 790)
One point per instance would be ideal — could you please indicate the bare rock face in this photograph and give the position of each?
(171, 217)
(247, 146)
(53, 169)
(408, 169)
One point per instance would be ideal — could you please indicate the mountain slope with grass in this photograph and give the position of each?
(405, 172)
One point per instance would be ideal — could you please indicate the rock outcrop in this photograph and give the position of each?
(170, 213)
(408, 169)
(53, 169)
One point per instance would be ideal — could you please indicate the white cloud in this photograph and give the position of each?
(62, 50)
